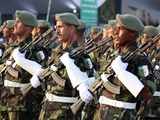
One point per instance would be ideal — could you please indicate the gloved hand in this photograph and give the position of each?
(104, 77)
(84, 93)
(117, 65)
(65, 59)
(54, 68)
(75, 75)
(30, 66)
(17, 55)
(8, 62)
(35, 81)
(1, 52)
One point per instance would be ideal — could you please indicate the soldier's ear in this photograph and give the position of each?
(12, 29)
(73, 28)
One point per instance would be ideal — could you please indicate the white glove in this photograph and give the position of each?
(8, 62)
(66, 60)
(17, 55)
(76, 76)
(128, 79)
(1, 52)
(84, 93)
(30, 66)
(104, 77)
(54, 68)
(35, 81)
(118, 66)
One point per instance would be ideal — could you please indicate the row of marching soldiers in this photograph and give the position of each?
(65, 75)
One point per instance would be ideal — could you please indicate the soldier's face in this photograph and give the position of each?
(158, 44)
(19, 28)
(63, 31)
(145, 38)
(6, 32)
(123, 36)
(109, 32)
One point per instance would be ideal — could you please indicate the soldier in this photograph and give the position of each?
(42, 27)
(149, 33)
(119, 101)
(62, 92)
(108, 29)
(9, 39)
(94, 32)
(7, 46)
(8, 32)
(154, 110)
(17, 78)
(101, 55)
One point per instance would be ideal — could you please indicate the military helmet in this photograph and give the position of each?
(130, 22)
(68, 18)
(82, 25)
(95, 29)
(158, 27)
(10, 23)
(26, 17)
(111, 23)
(43, 24)
(151, 31)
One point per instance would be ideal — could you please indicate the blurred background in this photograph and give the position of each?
(93, 12)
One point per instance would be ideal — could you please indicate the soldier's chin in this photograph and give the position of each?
(59, 39)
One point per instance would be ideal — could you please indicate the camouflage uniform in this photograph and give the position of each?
(6, 48)
(114, 90)
(154, 110)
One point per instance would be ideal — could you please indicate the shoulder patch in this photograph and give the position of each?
(143, 71)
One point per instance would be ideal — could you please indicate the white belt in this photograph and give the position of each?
(8, 83)
(54, 98)
(156, 93)
(116, 103)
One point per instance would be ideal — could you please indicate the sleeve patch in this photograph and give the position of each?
(143, 71)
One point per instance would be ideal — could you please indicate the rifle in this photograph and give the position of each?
(99, 83)
(47, 42)
(83, 49)
(35, 41)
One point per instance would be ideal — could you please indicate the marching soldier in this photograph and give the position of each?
(62, 91)
(8, 32)
(7, 46)
(119, 100)
(18, 73)
(154, 53)
(149, 33)
(94, 31)
(108, 29)
(9, 39)
(42, 27)
(104, 53)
